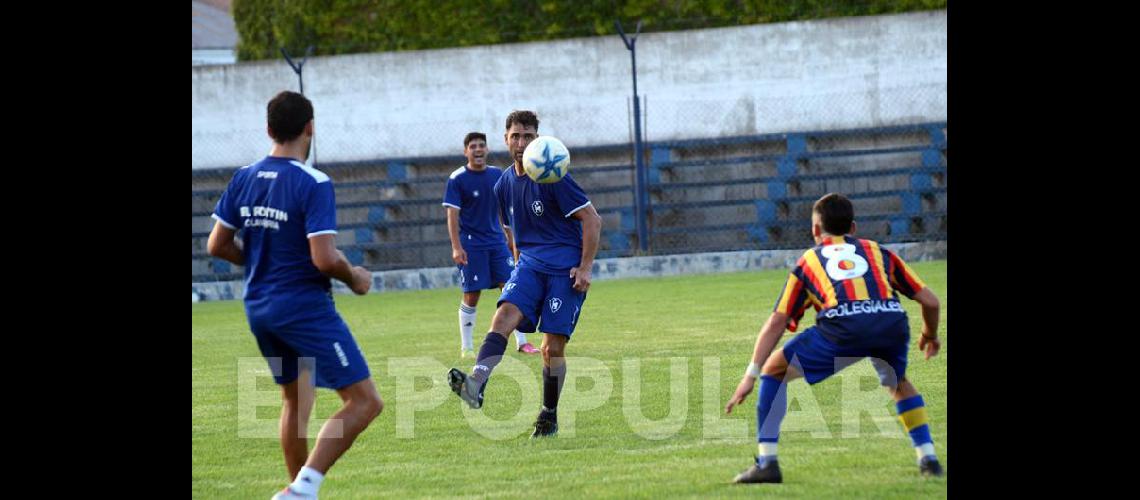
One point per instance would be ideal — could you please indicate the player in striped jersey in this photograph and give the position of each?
(853, 284)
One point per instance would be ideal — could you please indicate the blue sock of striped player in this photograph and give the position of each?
(552, 378)
(912, 414)
(466, 326)
(771, 406)
(490, 353)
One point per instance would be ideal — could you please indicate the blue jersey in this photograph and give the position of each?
(539, 215)
(473, 193)
(279, 203)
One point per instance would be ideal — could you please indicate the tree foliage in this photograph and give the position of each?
(354, 26)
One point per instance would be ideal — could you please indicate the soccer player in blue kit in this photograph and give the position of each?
(853, 284)
(478, 246)
(287, 214)
(556, 230)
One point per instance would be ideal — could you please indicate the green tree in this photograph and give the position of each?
(354, 26)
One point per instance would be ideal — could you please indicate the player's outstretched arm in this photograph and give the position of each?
(332, 263)
(458, 254)
(766, 341)
(591, 233)
(931, 309)
(223, 245)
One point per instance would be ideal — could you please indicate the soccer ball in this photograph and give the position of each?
(546, 160)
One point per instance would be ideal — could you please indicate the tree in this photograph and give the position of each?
(354, 26)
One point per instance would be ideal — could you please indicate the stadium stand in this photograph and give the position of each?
(716, 194)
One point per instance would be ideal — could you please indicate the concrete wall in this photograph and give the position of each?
(834, 73)
(604, 269)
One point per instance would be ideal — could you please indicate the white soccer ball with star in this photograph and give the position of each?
(546, 160)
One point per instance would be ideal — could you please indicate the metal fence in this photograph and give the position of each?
(755, 192)
(704, 194)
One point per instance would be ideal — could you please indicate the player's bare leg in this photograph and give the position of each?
(469, 388)
(777, 367)
(471, 298)
(553, 350)
(507, 317)
(553, 375)
(520, 339)
(361, 405)
(903, 390)
(297, 399)
(912, 413)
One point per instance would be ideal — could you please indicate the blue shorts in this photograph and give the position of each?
(549, 302)
(818, 358)
(486, 268)
(312, 335)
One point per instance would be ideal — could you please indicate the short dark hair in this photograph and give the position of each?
(288, 113)
(835, 213)
(522, 117)
(471, 136)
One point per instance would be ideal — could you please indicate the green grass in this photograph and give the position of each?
(701, 319)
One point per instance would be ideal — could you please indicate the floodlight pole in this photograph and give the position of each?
(297, 68)
(641, 200)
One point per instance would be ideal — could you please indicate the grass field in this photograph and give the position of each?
(672, 439)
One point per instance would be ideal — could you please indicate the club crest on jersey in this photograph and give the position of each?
(537, 207)
(555, 304)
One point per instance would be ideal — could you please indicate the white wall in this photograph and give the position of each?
(212, 56)
(835, 73)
